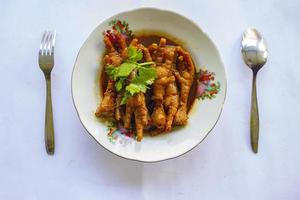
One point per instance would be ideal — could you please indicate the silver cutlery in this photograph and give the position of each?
(255, 53)
(46, 62)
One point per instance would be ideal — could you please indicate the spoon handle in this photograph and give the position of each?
(254, 121)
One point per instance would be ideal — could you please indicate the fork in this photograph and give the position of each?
(46, 62)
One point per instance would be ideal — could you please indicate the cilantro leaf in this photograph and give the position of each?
(125, 98)
(119, 84)
(131, 51)
(134, 88)
(110, 70)
(139, 56)
(145, 76)
(125, 69)
(134, 54)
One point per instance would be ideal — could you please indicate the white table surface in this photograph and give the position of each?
(222, 167)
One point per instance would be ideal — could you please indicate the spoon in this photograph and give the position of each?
(255, 53)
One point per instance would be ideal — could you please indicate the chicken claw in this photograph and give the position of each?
(116, 53)
(157, 52)
(165, 94)
(185, 76)
(171, 104)
(136, 105)
(171, 93)
(106, 108)
(159, 116)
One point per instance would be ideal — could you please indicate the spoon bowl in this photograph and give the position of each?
(255, 54)
(254, 49)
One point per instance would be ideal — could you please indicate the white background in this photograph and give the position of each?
(222, 167)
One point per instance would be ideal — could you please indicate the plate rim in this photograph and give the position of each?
(218, 55)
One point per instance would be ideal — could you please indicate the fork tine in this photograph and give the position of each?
(53, 42)
(43, 42)
(49, 43)
(44, 48)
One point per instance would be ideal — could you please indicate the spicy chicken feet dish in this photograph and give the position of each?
(148, 84)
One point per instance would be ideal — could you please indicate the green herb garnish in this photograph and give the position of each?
(145, 74)
(140, 83)
(119, 84)
(125, 97)
(134, 55)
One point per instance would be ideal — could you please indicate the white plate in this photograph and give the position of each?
(204, 115)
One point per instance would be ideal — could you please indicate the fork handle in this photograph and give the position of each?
(254, 120)
(49, 129)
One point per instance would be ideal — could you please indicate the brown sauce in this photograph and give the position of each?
(146, 40)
